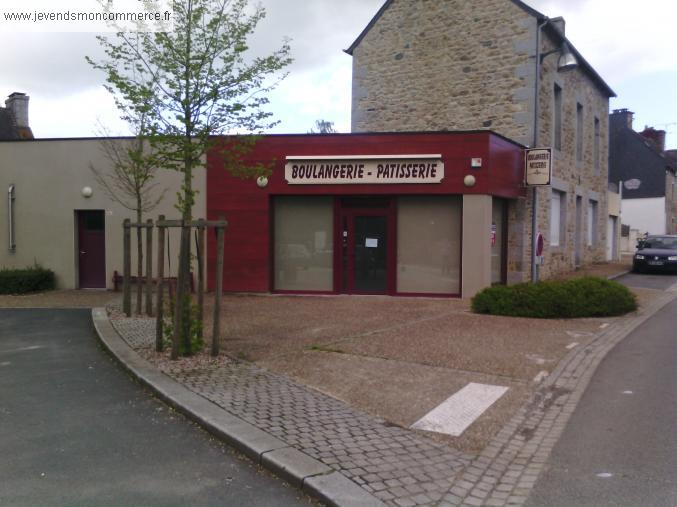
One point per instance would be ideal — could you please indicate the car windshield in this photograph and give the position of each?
(661, 243)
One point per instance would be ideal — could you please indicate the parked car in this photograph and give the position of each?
(656, 253)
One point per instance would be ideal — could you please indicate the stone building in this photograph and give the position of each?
(14, 118)
(647, 173)
(430, 65)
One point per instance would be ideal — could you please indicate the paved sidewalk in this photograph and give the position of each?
(392, 464)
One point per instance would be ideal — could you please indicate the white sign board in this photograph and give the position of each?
(351, 170)
(538, 170)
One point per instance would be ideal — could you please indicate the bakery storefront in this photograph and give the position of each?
(395, 214)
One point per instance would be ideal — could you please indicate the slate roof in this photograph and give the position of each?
(552, 31)
(632, 157)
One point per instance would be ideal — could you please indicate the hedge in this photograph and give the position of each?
(578, 297)
(22, 281)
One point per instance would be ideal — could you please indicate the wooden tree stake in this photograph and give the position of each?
(159, 339)
(127, 268)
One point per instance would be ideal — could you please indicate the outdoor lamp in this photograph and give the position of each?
(567, 60)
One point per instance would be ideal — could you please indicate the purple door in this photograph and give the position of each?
(92, 249)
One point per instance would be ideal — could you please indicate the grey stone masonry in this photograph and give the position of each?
(428, 65)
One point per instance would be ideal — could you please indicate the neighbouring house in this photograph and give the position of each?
(459, 65)
(647, 173)
(14, 118)
(56, 214)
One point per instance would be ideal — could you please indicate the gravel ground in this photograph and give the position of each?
(396, 358)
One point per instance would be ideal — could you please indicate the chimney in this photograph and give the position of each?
(559, 24)
(621, 118)
(656, 136)
(17, 103)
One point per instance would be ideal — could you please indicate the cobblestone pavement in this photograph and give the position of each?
(396, 465)
(508, 468)
(399, 466)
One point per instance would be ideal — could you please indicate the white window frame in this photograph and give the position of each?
(557, 217)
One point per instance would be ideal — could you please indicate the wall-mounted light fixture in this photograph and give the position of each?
(567, 61)
(87, 192)
(262, 182)
(469, 180)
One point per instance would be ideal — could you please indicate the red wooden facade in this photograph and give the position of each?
(248, 208)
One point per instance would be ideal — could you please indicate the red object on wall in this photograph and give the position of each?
(248, 209)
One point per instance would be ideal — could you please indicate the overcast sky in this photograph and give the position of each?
(633, 48)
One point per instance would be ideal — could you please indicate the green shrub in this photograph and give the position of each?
(22, 281)
(578, 297)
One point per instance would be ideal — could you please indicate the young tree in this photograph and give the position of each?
(130, 182)
(194, 83)
(323, 127)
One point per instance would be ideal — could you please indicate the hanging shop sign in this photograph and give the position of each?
(379, 169)
(538, 171)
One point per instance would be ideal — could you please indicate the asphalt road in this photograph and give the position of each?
(76, 430)
(620, 446)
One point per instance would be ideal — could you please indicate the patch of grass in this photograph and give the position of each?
(557, 299)
(323, 348)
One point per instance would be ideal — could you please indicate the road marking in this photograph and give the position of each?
(579, 334)
(6, 363)
(572, 345)
(605, 475)
(605, 325)
(23, 349)
(456, 413)
(628, 392)
(540, 377)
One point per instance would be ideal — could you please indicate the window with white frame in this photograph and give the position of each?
(557, 214)
(592, 222)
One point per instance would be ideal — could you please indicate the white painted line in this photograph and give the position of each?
(628, 392)
(605, 475)
(579, 334)
(456, 413)
(540, 377)
(24, 349)
(572, 345)
(605, 325)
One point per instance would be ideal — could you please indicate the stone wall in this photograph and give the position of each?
(446, 65)
(429, 65)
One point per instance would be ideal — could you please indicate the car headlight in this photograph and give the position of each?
(672, 258)
(639, 257)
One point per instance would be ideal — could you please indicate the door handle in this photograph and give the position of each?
(82, 252)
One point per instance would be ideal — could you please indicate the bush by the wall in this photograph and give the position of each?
(578, 297)
(22, 281)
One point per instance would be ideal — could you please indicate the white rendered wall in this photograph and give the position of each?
(645, 215)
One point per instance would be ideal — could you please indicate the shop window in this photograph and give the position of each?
(592, 222)
(429, 244)
(557, 217)
(304, 243)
